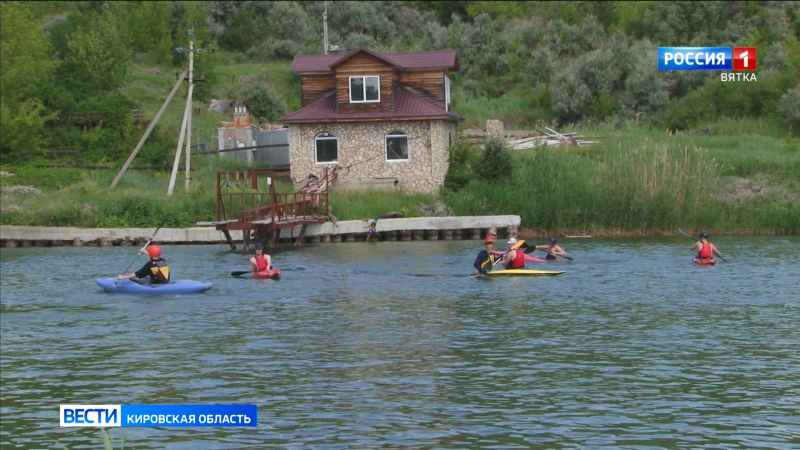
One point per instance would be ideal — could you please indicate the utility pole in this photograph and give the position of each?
(148, 131)
(188, 163)
(325, 29)
(186, 130)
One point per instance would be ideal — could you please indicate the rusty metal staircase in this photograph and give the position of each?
(259, 215)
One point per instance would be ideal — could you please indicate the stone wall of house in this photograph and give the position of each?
(362, 154)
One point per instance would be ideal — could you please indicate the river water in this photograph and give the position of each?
(396, 344)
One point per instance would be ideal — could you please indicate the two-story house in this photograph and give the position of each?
(383, 119)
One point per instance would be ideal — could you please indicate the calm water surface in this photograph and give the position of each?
(394, 344)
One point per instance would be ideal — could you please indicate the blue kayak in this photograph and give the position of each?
(117, 286)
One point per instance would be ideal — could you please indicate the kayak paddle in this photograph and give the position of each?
(240, 273)
(531, 248)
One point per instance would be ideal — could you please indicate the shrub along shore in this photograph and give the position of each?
(735, 177)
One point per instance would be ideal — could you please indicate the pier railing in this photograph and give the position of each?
(239, 199)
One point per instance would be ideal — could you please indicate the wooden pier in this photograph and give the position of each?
(261, 215)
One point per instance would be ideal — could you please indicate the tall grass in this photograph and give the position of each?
(140, 199)
(636, 182)
(349, 205)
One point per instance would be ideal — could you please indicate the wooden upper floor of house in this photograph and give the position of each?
(366, 82)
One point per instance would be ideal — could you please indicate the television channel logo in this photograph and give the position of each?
(707, 58)
(90, 415)
(217, 415)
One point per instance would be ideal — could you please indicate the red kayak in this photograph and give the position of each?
(704, 261)
(273, 274)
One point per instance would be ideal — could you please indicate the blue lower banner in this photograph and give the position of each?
(159, 415)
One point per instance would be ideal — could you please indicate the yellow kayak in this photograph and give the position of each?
(524, 272)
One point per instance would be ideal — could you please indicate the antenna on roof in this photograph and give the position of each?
(325, 28)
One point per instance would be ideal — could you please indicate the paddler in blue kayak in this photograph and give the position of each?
(156, 269)
(483, 263)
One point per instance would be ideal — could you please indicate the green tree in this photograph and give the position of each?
(26, 74)
(789, 108)
(148, 25)
(645, 94)
(98, 55)
(495, 163)
(264, 102)
(464, 157)
(571, 97)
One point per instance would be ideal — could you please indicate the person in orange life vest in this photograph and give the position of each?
(514, 259)
(552, 248)
(260, 261)
(156, 269)
(485, 259)
(705, 249)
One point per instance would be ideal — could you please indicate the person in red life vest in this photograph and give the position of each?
(156, 269)
(514, 258)
(261, 261)
(705, 249)
(485, 259)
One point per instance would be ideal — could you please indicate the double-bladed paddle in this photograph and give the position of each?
(531, 248)
(275, 276)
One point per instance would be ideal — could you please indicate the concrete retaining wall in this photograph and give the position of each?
(418, 228)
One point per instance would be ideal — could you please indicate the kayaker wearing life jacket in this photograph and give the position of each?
(705, 249)
(514, 259)
(260, 261)
(485, 259)
(156, 269)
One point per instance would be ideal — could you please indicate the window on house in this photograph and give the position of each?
(396, 146)
(327, 148)
(365, 89)
(446, 93)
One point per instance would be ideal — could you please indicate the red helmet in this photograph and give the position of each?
(154, 251)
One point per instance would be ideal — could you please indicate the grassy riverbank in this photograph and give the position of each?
(732, 177)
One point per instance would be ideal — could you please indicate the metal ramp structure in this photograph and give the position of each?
(261, 215)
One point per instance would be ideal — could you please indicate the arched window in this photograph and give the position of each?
(396, 146)
(327, 148)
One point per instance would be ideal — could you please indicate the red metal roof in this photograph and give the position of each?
(439, 59)
(408, 106)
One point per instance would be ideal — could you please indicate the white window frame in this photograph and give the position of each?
(364, 87)
(326, 136)
(386, 146)
(446, 93)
